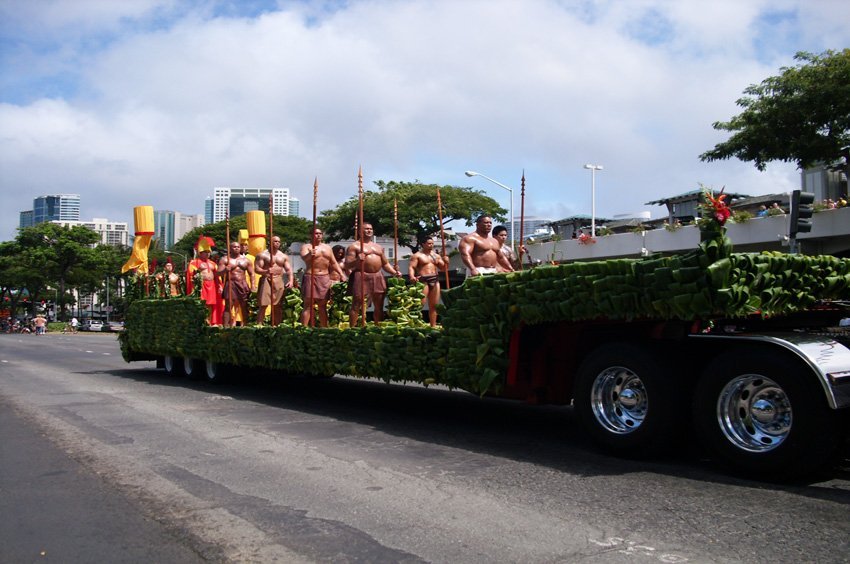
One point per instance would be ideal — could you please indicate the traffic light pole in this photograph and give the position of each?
(802, 208)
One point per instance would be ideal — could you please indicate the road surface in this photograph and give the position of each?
(341, 470)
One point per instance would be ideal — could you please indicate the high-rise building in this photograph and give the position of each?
(53, 207)
(114, 233)
(26, 219)
(237, 201)
(171, 226)
(209, 205)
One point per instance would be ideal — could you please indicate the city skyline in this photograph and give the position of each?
(155, 102)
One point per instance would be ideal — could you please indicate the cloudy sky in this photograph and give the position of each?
(156, 102)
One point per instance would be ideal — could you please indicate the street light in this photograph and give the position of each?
(473, 173)
(593, 168)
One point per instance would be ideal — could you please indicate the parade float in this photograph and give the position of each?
(740, 352)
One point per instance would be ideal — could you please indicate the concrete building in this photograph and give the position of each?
(114, 233)
(171, 226)
(532, 227)
(825, 182)
(237, 201)
(52, 207)
(830, 235)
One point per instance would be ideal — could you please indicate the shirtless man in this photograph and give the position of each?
(339, 256)
(238, 275)
(170, 279)
(500, 232)
(424, 267)
(373, 259)
(210, 291)
(316, 282)
(243, 245)
(272, 271)
(481, 253)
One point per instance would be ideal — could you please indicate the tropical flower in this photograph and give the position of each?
(714, 212)
(718, 209)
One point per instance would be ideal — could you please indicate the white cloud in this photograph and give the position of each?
(171, 106)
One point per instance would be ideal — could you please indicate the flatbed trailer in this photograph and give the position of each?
(743, 352)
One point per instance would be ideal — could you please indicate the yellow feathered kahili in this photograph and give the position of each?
(143, 219)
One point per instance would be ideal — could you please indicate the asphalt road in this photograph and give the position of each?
(106, 461)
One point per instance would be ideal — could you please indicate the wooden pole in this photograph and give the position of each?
(162, 285)
(442, 237)
(362, 248)
(521, 219)
(229, 307)
(395, 234)
(313, 260)
(269, 277)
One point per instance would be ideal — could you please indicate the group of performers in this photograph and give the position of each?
(226, 285)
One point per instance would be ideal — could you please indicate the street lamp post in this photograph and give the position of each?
(471, 173)
(593, 168)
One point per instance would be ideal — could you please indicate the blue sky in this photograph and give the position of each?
(157, 102)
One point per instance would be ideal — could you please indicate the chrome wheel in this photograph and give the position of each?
(754, 413)
(173, 365)
(215, 372)
(619, 400)
(190, 367)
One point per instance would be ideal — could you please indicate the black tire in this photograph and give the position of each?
(216, 373)
(173, 365)
(763, 414)
(626, 401)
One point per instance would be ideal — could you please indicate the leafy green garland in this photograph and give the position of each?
(339, 305)
(404, 302)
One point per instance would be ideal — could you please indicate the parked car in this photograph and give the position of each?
(113, 326)
(91, 325)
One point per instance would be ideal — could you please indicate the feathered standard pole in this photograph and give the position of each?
(442, 237)
(521, 219)
(362, 247)
(395, 233)
(270, 278)
(313, 260)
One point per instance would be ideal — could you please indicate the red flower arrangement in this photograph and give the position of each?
(714, 212)
(718, 205)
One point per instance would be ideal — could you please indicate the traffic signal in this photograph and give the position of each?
(802, 209)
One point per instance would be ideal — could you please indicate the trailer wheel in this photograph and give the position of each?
(624, 399)
(216, 372)
(764, 416)
(173, 365)
(193, 368)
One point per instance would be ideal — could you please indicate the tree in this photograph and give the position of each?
(111, 259)
(49, 254)
(418, 217)
(802, 115)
